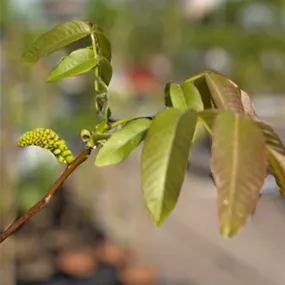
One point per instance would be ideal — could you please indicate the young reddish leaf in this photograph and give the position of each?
(275, 155)
(225, 93)
(164, 160)
(247, 105)
(57, 38)
(239, 168)
(78, 62)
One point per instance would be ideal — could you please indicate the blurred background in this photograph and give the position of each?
(96, 230)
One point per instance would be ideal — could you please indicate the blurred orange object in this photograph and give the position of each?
(76, 263)
(113, 254)
(143, 275)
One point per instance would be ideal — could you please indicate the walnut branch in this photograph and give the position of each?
(44, 201)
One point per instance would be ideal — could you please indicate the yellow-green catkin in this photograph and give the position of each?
(48, 139)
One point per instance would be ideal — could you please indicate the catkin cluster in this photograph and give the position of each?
(48, 139)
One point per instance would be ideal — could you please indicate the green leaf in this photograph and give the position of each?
(174, 96)
(239, 168)
(103, 44)
(164, 160)
(78, 62)
(193, 100)
(225, 93)
(122, 142)
(192, 96)
(275, 155)
(105, 70)
(183, 96)
(199, 133)
(57, 38)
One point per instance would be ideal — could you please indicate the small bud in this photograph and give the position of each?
(85, 135)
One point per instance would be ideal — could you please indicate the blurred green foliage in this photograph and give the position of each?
(247, 35)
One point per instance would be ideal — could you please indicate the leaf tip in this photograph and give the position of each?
(51, 78)
(26, 61)
(98, 163)
(229, 230)
(158, 219)
(101, 161)
(159, 222)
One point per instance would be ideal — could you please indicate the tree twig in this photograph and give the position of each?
(44, 201)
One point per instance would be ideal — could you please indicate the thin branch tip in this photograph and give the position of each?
(47, 197)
